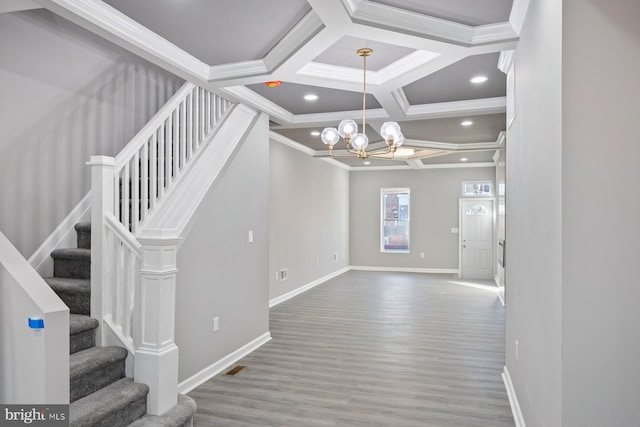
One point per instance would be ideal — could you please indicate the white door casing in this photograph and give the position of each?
(476, 238)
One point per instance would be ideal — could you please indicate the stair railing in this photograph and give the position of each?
(132, 291)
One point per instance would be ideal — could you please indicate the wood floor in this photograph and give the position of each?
(371, 349)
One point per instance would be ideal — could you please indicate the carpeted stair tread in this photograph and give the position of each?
(178, 416)
(94, 368)
(115, 405)
(75, 293)
(83, 233)
(79, 323)
(72, 263)
(82, 332)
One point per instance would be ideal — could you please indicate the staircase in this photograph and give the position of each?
(100, 394)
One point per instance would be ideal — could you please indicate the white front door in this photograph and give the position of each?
(476, 238)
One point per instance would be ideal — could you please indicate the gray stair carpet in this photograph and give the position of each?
(75, 293)
(94, 368)
(100, 395)
(72, 263)
(117, 404)
(83, 233)
(82, 332)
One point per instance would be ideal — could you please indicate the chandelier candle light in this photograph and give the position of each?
(357, 142)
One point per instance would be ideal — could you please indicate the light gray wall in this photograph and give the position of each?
(219, 272)
(308, 211)
(434, 211)
(601, 220)
(66, 95)
(534, 226)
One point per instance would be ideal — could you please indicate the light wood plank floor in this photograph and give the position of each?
(371, 349)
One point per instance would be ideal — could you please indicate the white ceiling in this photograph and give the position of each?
(424, 53)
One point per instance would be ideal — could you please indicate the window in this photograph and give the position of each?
(477, 188)
(394, 220)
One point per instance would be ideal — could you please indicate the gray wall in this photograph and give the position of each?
(601, 220)
(534, 227)
(434, 211)
(66, 95)
(573, 228)
(308, 212)
(219, 272)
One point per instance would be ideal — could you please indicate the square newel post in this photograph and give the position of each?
(102, 202)
(156, 361)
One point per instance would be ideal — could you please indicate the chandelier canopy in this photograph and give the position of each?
(357, 143)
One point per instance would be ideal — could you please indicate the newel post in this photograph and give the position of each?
(156, 352)
(102, 202)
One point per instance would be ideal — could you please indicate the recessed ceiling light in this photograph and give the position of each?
(467, 123)
(464, 159)
(367, 163)
(315, 133)
(311, 97)
(478, 79)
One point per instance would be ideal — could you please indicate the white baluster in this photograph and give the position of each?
(135, 196)
(144, 183)
(153, 173)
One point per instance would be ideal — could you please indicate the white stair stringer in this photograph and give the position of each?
(175, 212)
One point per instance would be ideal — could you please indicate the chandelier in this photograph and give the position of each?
(357, 143)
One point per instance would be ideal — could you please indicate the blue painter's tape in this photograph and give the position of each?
(36, 323)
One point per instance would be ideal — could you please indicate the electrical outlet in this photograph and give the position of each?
(250, 236)
(335, 257)
(421, 254)
(284, 274)
(517, 351)
(215, 324)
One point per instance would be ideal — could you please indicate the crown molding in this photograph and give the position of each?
(306, 29)
(18, 5)
(403, 21)
(505, 62)
(459, 165)
(249, 97)
(456, 108)
(237, 70)
(493, 33)
(104, 20)
(401, 99)
(518, 14)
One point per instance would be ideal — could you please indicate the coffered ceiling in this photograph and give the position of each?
(424, 54)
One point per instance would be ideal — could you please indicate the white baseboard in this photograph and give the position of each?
(212, 370)
(408, 270)
(513, 399)
(64, 236)
(282, 298)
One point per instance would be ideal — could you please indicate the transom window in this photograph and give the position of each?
(477, 188)
(395, 217)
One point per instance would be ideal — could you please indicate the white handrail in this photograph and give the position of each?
(158, 155)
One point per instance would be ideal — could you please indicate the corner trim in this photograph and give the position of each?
(63, 235)
(282, 298)
(214, 369)
(407, 269)
(513, 399)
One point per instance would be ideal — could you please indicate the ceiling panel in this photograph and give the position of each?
(290, 97)
(452, 83)
(485, 128)
(208, 29)
(468, 12)
(344, 53)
